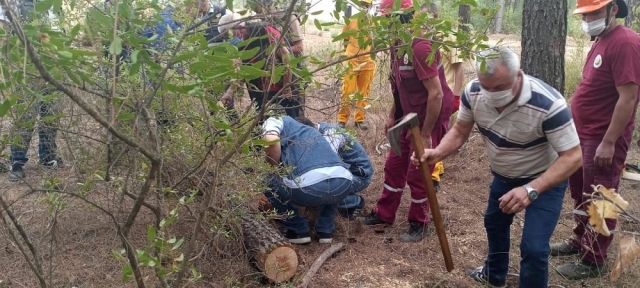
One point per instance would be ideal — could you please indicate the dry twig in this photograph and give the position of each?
(318, 263)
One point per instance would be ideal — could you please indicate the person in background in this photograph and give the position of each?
(360, 70)
(314, 176)
(278, 19)
(355, 156)
(533, 148)
(41, 102)
(604, 107)
(263, 89)
(421, 88)
(454, 74)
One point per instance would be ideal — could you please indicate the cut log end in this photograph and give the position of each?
(273, 256)
(281, 264)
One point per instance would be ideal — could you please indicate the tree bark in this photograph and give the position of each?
(544, 33)
(268, 251)
(465, 17)
(499, 17)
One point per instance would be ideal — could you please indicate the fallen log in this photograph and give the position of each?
(268, 251)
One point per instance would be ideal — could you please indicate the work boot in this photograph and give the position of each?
(582, 270)
(563, 248)
(362, 126)
(373, 219)
(479, 276)
(417, 231)
(16, 173)
(352, 213)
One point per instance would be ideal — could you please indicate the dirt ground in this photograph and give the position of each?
(80, 247)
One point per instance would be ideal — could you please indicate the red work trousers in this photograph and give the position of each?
(593, 244)
(398, 172)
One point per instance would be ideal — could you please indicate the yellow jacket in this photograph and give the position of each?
(364, 62)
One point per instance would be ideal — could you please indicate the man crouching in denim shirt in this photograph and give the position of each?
(352, 154)
(313, 176)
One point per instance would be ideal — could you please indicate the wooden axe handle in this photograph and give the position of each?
(431, 196)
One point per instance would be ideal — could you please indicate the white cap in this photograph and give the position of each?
(229, 21)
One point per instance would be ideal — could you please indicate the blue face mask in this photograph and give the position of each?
(235, 41)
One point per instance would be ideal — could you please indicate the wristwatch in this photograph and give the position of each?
(533, 194)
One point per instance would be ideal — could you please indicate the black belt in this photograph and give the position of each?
(513, 181)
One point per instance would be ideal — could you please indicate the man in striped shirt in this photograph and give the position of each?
(533, 148)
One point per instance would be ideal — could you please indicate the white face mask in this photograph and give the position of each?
(594, 28)
(497, 99)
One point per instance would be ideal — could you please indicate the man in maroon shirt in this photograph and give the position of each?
(421, 88)
(604, 108)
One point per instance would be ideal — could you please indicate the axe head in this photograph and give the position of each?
(411, 120)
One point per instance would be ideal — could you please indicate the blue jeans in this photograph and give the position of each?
(325, 194)
(353, 199)
(24, 130)
(540, 220)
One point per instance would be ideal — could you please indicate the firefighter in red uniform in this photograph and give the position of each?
(604, 109)
(419, 87)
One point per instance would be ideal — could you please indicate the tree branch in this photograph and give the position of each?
(35, 265)
(35, 59)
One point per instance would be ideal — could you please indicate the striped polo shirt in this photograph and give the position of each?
(523, 140)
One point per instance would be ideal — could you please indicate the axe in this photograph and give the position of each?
(411, 122)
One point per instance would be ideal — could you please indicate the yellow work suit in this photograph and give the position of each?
(357, 81)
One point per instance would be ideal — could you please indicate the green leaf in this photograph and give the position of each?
(173, 88)
(178, 244)
(125, 116)
(43, 6)
(82, 52)
(221, 125)
(127, 272)
(4, 107)
(317, 12)
(72, 76)
(56, 5)
(250, 72)
(317, 24)
(134, 56)
(172, 240)
(151, 233)
(186, 56)
(248, 54)
(65, 54)
(116, 46)
(180, 258)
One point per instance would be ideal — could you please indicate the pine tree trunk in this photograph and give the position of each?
(499, 17)
(268, 250)
(544, 33)
(516, 5)
(465, 17)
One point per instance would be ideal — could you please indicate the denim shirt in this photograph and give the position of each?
(161, 29)
(302, 151)
(351, 151)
